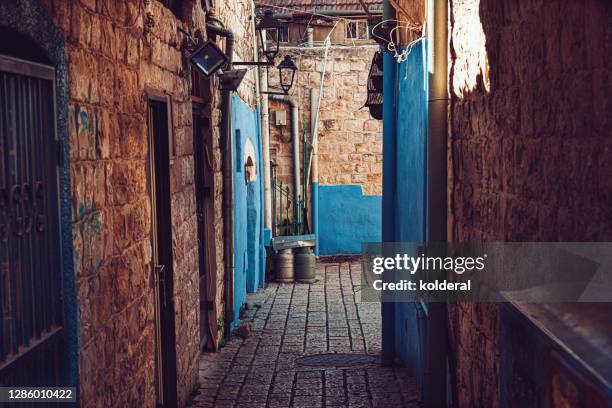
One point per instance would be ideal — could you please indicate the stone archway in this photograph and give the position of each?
(253, 215)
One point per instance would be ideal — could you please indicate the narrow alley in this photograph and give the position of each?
(309, 346)
(306, 203)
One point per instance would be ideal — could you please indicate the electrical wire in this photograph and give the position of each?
(400, 55)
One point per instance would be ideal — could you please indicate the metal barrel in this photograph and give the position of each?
(305, 265)
(283, 263)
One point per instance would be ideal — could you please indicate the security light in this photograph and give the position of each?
(286, 73)
(208, 58)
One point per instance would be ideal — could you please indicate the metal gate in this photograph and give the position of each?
(31, 329)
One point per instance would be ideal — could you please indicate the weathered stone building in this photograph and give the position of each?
(529, 85)
(333, 56)
(126, 189)
(350, 143)
(528, 160)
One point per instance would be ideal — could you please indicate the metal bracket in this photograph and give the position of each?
(274, 93)
(254, 63)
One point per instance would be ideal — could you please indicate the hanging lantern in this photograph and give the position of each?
(269, 25)
(375, 87)
(286, 73)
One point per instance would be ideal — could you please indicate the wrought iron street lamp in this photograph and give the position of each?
(286, 73)
(209, 58)
(269, 25)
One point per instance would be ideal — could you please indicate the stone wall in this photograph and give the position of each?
(530, 150)
(350, 140)
(111, 64)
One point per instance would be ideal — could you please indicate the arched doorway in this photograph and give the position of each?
(32, 331)
(253, 206)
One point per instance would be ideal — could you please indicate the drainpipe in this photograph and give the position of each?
(310, 36)
(437, 62)
(389, 184)
(265, 141)
(294, 136)
(314, 114)
(228, 179)
(313, 161)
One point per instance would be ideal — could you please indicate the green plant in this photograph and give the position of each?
(220, 323)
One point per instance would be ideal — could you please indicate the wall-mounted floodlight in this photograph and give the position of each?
(208, 58)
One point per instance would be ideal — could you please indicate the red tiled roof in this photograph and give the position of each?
(282, 6)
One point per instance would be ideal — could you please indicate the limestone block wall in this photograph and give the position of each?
(111, 64)
(350, 140)
(530, 148)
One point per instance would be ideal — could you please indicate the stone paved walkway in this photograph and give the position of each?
(294, 320)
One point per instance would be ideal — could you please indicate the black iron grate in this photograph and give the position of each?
(336, 360)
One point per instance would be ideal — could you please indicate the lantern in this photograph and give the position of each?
(269, 24)
(286, 73)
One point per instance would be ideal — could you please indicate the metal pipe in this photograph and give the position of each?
(265, 141)
(315, 100)
(315, 124)
(437, 62)
(313, 162)
(228, 181)
(294, 137)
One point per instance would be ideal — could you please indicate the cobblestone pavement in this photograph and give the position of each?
(290, 321)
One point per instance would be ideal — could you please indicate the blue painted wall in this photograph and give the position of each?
(411, 147)
(389, 185)
(404, 188)
(346, 219)
(249, 251)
